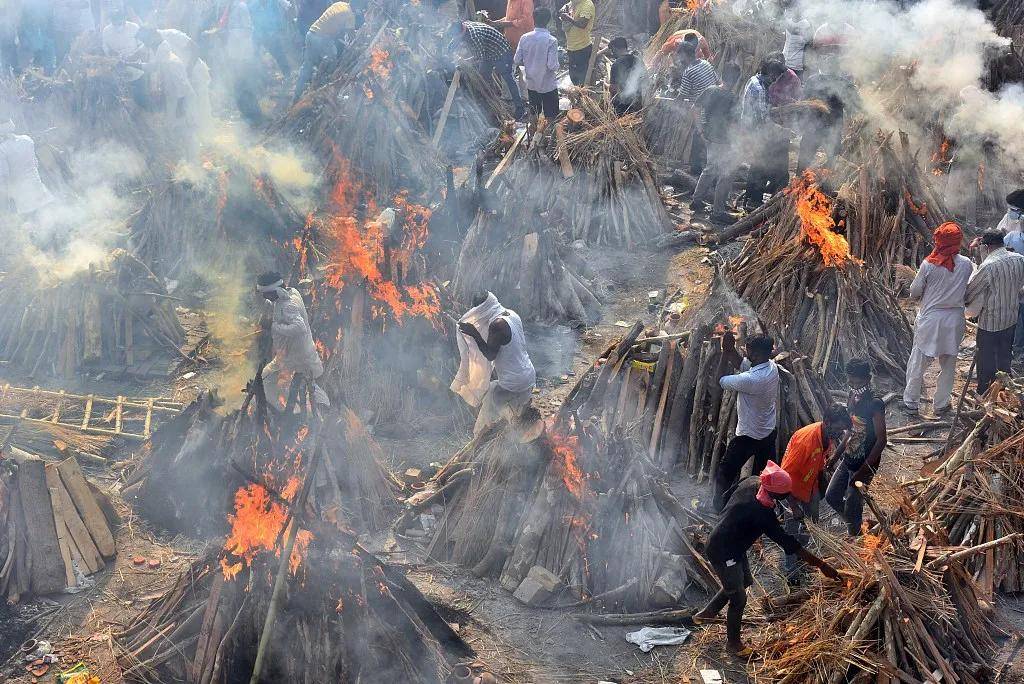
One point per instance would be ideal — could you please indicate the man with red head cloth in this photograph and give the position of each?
(940, 286)
(748, 514)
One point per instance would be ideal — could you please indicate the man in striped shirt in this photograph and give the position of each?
(698, 74)
(992, 295)
(491, 52)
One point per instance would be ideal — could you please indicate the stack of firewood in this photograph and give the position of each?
(814, 293)
(55, 526)
(895, 618)
(177, 480)
(115, 313)
(525, 263)
(1008, 16)
(575, 503)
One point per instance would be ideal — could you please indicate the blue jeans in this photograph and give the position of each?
(318, 49)
(505, 70)
(796, 527)
(1018, 336)
(846, 499)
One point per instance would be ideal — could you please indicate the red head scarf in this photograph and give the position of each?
(774, 480)
(948, 238)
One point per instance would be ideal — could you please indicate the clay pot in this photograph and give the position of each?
(461, 674)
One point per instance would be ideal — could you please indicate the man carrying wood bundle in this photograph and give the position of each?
(502, 349)
(805, 462)
(294, 349)
(862, 452)
(757, 393)
(749, 513)
(323, 40)
(491, 52)
(940, 285)
(993, 296)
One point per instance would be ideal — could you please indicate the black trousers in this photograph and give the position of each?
(993, 354)
(740, 450)
(544, 102)
(579, 62)
(735, 579)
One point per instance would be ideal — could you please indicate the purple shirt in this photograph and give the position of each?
(538, 53)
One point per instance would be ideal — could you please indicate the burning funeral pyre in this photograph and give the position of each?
(202, 465)
(572, 509)
(114, 316)
(814, 294)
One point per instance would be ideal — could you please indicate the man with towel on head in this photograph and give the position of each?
(500, 348)
(940, 286)
(294, 349)
(748, 514)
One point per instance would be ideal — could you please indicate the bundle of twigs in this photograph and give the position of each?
(112, 314)
(347, 617)
(525, 263)
(178, 479)
(813, 293)
(894, 619)
(1008, 17)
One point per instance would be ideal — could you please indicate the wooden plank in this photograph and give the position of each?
(149, 418)
(79, 533)
(507, 159)
(449, 98)
(56, 411)
(118, 413)
(88, 412)
(209, 639)
(44, 568)
(62, 539)
(85, 504)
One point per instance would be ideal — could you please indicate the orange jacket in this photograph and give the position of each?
(668, 48)
(805, 459)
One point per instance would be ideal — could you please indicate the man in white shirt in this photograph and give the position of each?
(757, 394)
(120, 37)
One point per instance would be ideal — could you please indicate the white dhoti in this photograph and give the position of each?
(937, 335)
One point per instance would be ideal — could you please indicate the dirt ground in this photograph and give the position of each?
(522, 644)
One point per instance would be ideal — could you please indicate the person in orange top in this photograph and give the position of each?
(806, 460)
(517, 22)
(669, 47)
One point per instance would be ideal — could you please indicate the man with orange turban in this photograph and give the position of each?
(749, 513)
(940, 286)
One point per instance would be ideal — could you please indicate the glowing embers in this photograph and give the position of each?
(816, 223)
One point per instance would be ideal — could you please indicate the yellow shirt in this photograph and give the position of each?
(335, 19)
(579, 38)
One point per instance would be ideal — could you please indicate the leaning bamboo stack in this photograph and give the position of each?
(56, 528)
(895, 619)
(813, 294)
(116, 313)
(1008, 17)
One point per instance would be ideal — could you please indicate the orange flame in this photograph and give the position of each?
(871, 542)
(380, 63)
(816, 223)
(941, 158)
(255, 526)
(566, 450)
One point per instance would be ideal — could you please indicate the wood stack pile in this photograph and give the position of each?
(55, 526)
(895, 619)
(576, 509)
(515, 250)
(364, 116)
(1008, 17)
(344, 616)
(113, 317)
(178, 479)
(666, 388)
(813, 292)
(973, 502)
(608, 193)
(191, 220)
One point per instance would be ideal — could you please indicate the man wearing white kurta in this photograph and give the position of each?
(939, 329)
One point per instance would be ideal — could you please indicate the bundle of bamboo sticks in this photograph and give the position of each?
(112, 313)
(348, 617)
(813, 294)
(893, 619)
(1008, 16)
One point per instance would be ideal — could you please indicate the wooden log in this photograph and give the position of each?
(45, 570)
(682, 400)
(62, 540)
(77, 530)
(87, 507)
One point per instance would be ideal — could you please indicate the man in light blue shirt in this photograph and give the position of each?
(538, 55)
